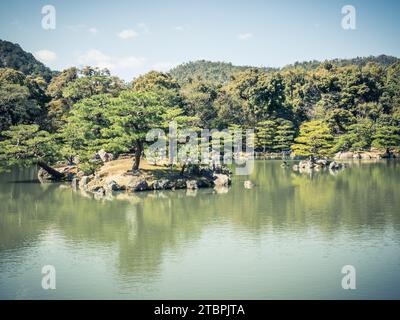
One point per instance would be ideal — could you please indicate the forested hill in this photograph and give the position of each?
(222, 72)
(219, 72)
(14, 57)
(382, 60)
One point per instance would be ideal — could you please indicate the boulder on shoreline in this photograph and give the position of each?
(116, 176)
(316, 165)
(248, 184)
(372, 154)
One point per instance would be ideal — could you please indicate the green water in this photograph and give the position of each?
(288, 237)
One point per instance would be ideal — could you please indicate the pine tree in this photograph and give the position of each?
(315, 139)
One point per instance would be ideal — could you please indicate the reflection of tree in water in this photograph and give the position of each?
(146, 226)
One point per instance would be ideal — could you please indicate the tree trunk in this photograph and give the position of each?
(183, 169)
(53, 172)
(138, 154)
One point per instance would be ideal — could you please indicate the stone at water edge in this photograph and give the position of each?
(137, 184)
(112, 186)
(344, 155)
(248, 184)
(191, 184)
(161, 184)
(336, 166)
(221, 180)
(83, 182)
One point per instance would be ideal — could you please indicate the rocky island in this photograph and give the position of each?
(116, 175)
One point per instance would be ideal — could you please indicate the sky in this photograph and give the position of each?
(133, 37)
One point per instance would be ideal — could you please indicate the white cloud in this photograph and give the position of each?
(178, 28)
(93, 31)
(99, 59)
(163, 66)
(245, 36)
(45, 56)
(127, 34)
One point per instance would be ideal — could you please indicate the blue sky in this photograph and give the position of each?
(133, 37)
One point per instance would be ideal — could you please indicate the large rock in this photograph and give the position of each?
(322, 162)
(205, 182)
(112, 186)
(221, 180)
(344, 155)
(306, 164)
(105, 156)
(191, 184)
(162, 184)
(179, 184)
(83, 182)
(336, 166)
(99, 193)
(366, 156)
(137, 184)
(44, 176)
(248, 184)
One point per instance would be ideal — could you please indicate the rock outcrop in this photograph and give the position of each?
(114, 176)
(317, 164)
(105, 156)
(248, 184)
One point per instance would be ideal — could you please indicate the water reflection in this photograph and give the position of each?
(141, 228)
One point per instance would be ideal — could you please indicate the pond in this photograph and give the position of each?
(288, 237)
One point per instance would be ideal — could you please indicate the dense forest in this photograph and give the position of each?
(309, 108)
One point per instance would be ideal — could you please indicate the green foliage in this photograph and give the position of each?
(26, 145)
(274, 135)
(315, 139)
(199, 100)
(161, 84)
(116, 124)
(284, 135)
(265, 135)
(386, 136)
(357, 138)
(153, 81)
(61, 81)
(261, 94)
(207, 71)
(21, 99)
(93, 82)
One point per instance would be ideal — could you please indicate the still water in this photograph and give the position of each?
(288, 237)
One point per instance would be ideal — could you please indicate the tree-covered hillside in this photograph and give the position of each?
(14, 57)
(218, 72)
(383, 60)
